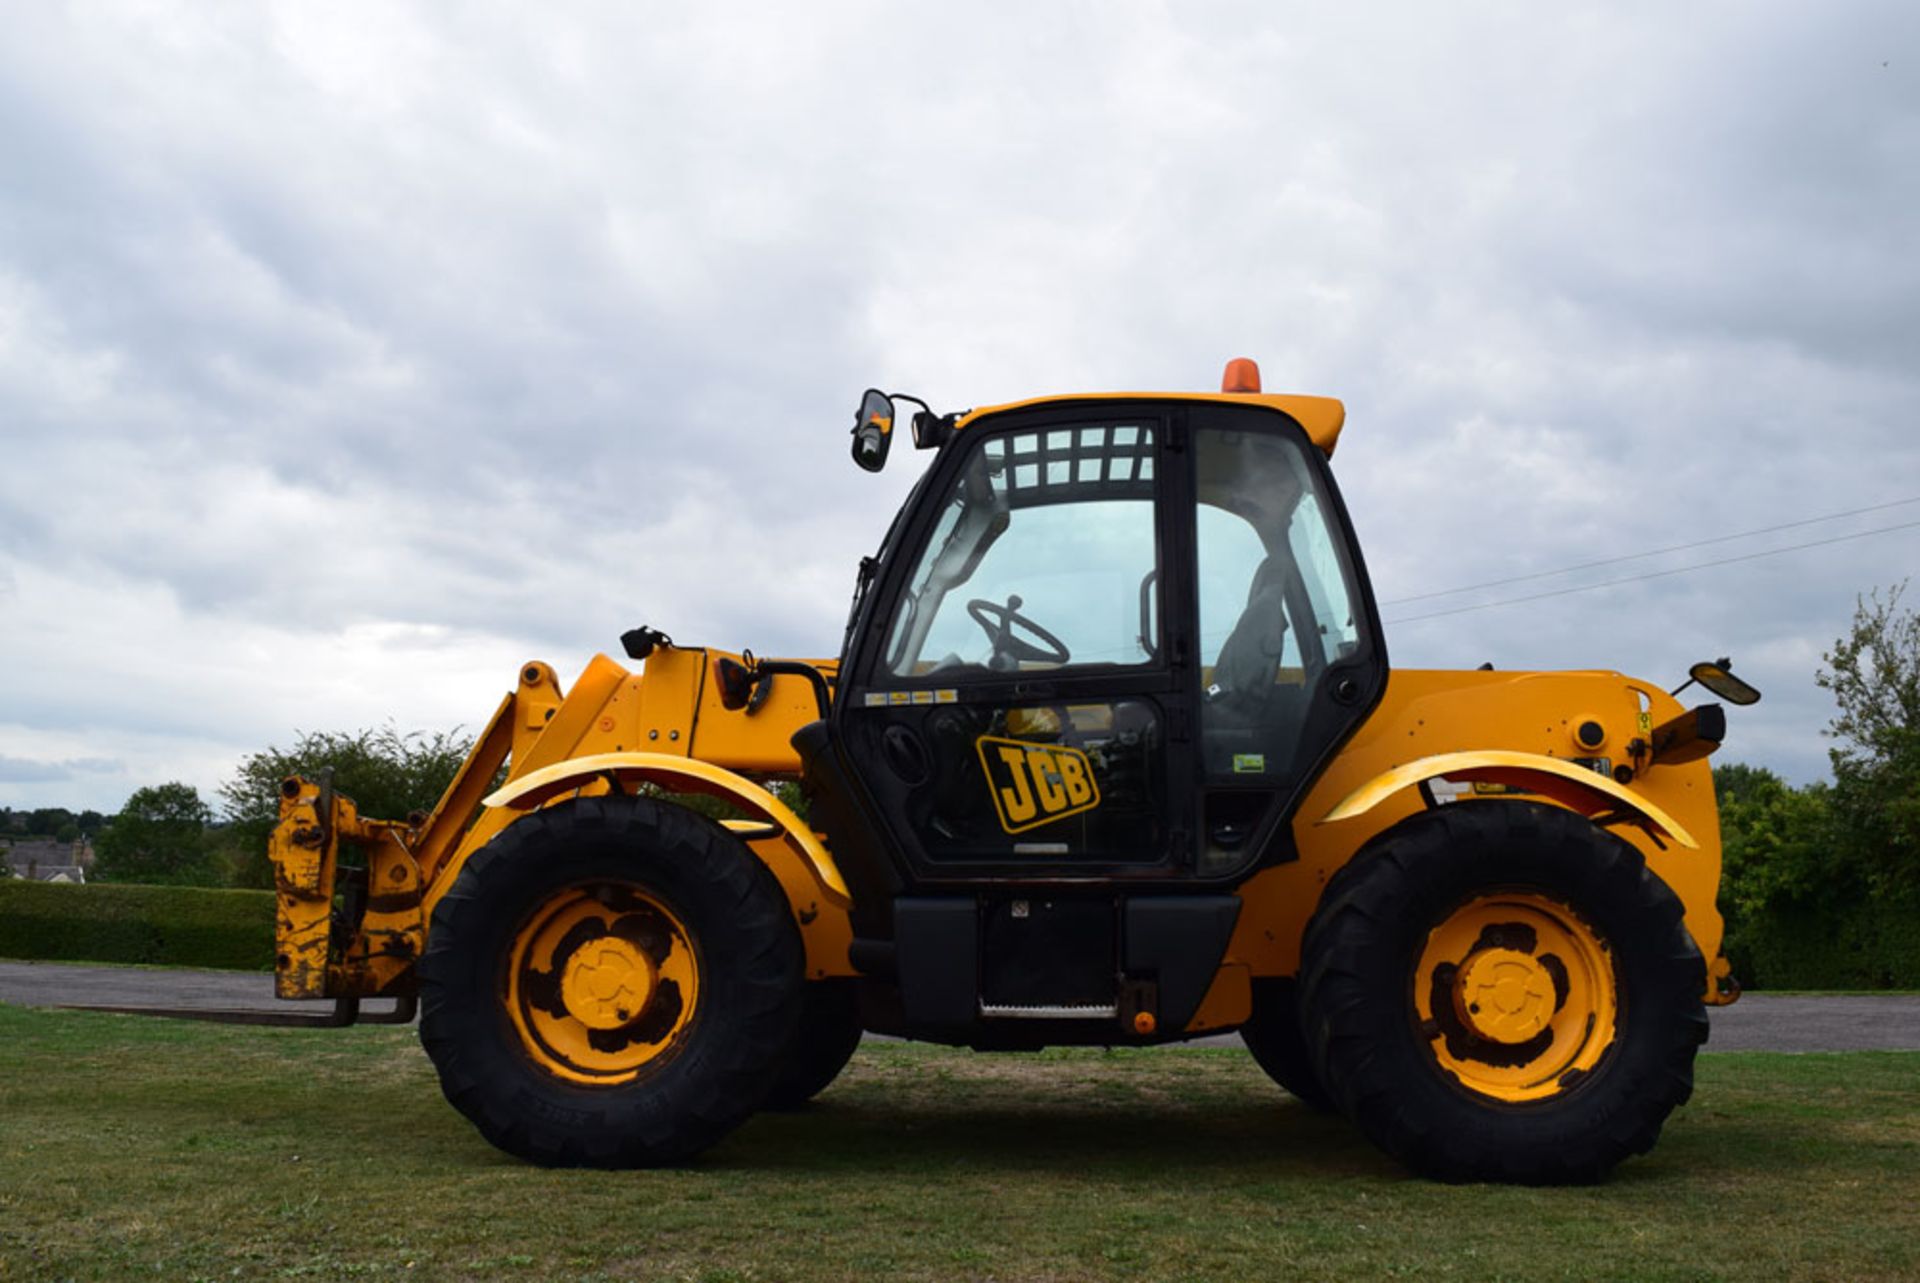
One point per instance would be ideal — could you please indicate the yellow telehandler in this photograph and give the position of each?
(1111, 755)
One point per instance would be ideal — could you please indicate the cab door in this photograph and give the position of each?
(1288, 643)
(1117, 640)
(1016, 710)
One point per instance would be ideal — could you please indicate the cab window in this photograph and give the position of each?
(1044, 556)
(1276, 600)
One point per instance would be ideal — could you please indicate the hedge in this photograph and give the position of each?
(162, 925)
(1871, 945)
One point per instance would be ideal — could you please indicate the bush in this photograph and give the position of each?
(1871, 945)
(162, 925)
(387, 775)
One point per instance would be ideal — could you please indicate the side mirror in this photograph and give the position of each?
(873, 430)
(1718, 677)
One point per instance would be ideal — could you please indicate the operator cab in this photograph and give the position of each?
(1108, 638)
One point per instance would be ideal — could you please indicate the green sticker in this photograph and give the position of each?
(1249, 763)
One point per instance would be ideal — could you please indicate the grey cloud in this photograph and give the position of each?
(16, 770)
(503, 336)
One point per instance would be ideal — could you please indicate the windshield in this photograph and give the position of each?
(1044, 555)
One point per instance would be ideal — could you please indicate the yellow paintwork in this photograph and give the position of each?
(304, 848)
(1505, 996)
(530, 791)
(1509, 998)
(1480, 763)
(665, 726)
(620, 726)
(1228, 1001)
(604, 985)
(1428, 713)
(1321, 416)
(614, 725)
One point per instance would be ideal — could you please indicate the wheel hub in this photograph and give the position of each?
(607, 983)
(603, 982)
(1516, 995)
(1504, 995)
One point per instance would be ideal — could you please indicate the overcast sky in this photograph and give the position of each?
(351, 355)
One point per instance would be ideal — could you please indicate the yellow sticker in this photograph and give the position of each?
(875, 699)
(898, 698)
(946, 697)
(923, 697)
(1035, 784)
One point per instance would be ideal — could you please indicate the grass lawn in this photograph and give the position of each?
(131, 1146)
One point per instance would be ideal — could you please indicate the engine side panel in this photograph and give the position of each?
(1429, 712)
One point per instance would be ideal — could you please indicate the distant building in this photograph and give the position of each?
(45, 860)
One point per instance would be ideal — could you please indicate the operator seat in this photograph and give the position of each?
(1248, 721)
(1249, 660)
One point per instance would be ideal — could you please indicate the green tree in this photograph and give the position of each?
(388, 775)
(48, 820)
(160, 835)
(1874, 674)
(1778, 844)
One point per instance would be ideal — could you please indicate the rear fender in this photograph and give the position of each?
(1553, 778)
(782, 841)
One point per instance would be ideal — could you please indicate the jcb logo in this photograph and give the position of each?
(1035, 784)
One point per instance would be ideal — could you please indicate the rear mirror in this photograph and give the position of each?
(1718, 677)
(873, 430)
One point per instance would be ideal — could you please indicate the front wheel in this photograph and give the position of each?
(1279, 1046)
(609, 984)
(1503, 991)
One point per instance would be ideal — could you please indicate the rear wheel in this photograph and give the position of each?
(829, 1031)
(608, 984)
(1503, 991)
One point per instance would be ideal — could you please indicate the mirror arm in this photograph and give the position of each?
(822, 693)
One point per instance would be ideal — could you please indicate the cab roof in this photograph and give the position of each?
(1321, 416)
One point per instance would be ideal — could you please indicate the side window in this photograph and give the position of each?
(1275, 598)
(1230, 557)
(1044, 556)
(1312, 547)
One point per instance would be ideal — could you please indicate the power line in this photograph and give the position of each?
(1655, 574)
(1636, 556)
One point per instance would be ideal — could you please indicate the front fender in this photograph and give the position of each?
(1554, 778)
(681, 774)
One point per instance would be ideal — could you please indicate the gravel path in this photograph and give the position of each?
(1758, 1022)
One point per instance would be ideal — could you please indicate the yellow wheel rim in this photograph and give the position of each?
(602, 983)
(1515, 994)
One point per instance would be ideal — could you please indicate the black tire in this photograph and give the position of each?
(829, 1031)
(721, 1060)
(1274, 1035)
(1384, 1066)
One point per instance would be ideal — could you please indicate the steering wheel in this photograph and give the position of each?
(1000, 621)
